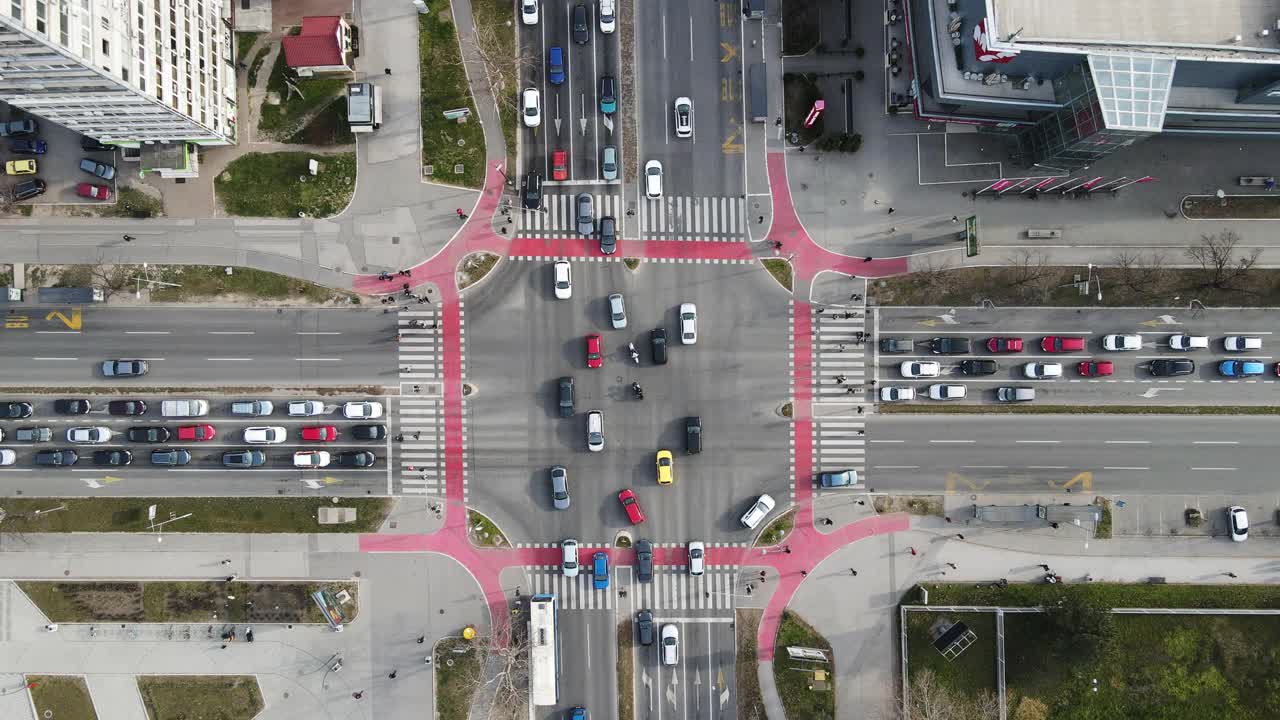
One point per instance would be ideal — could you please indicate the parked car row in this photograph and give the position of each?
(902, 393)
(307, 459)
(953, 345)
(193, 407)
(27, 145)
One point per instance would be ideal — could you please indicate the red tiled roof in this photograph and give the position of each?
(316, 46)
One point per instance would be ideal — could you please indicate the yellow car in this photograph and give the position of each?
(20, 167)
(666, 468)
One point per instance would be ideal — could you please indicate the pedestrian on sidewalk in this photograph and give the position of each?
(855, 572)
(859, 409)
(358, 694)
(890, 211)
(392, 674)
(760, 220)
(866, 259)
(1045, 566)
(1231, 575)
(828, 521)
(777, 245)
(461, 215)
(953, 566)
(912, 550)
(955, 218)
(959, 536)
(804, 573)
(422, 639)
(227, 561)
(232, 578)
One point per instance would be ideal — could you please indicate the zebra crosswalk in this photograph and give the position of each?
(707, 219)
(673, 588)
(842, 397)
(418, 426)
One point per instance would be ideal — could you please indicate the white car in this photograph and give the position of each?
(367, 410)
(529, 12)
(762, 507)
(564, 280)
(595, 431)
(897, 394)
(653, 179)
(1042, 370)
(684, 117)
(670, 644)
(264, 435)
(8, 457)
(697, 558)
(1188, 342)
(1238, 519)
(688, 323)
(617, 311)
(1121, 343)
(88, 435)
(608, 19)
(1241, 343)
(311, 459)
(306, 408)
(920, 369)
(941, 391)
(569, 558)
(531, 107)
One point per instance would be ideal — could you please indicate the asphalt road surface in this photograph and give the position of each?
(589, 656)
(186, 346)
(1022, 453)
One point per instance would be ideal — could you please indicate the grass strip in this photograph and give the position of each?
(1107, 595)
(61, 696)
(457, 675)
(132, 203)
(745, 668)
(1033, 409)
(256, 66)
(445, 142)
(483, 531)
(795, 680)
(1103, 529)
(626, 671)
(208, 514)
(974, 670)
(475, 267)
(195, 283)
(167, 601)
(222, 697)
(777, 530)
(281, 185)
(781, 271)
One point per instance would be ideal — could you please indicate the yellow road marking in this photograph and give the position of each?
(730, 51)
(72, 323)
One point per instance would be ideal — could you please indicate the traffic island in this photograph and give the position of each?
(452, 152)
(61, 696)
(777, 530)
(631, 263)
(626, 671)
(781, 271)
(482, 531)
(220, 697)
(475, 267)
(175, 602)
(805, 685)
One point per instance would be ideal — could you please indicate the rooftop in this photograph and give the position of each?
(316, 46)
(1140, 22)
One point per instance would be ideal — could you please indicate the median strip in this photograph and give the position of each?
(1078, 410)
(206, 514)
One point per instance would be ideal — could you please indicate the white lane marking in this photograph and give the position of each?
(146, 332)
(229, 359)
(230, 332)
(1128, 442)
(1215, 442)
(1125, 468)
(319, 333)
(54, 358)
(1038, 441)
(318, 359)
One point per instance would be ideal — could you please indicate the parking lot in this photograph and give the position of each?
(1130, 380)
(59, 167)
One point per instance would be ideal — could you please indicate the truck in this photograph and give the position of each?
(757, 88)
(364, 107)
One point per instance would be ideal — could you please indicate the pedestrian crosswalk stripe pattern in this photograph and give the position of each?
(420, 462)
(704, 219)
(673, 588)
(661, 261)
(587, 544)
(840, 366)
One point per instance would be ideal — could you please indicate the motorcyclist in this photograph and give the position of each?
(635, 354)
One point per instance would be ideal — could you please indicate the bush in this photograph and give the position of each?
(844, 142)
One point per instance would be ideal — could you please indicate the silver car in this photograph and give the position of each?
(617, 311)
(88, 435)
(560, 487)
(595, 431)
(586, 215)
(609, 162)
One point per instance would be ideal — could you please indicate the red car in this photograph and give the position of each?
(595, 355)
(1058, 343)
(1092, 368)
(320, 433)
(198, 433)
(632, 506)
(560, 165)
(1004, 344)
(93, 192)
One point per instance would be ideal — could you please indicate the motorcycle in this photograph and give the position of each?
(635, 354)
(637, 391)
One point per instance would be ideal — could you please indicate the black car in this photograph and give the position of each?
(57, 458)
(244, 458)
(89, 144)
(33, 434)
(897, 345)
(127, 407)
(148, 434)
(644, 625)
(1170, 367)
(658, 344)
(979, 367)
(581, 28)
(28, 189)
(369, 432)
(531, 198)
(112, 457)
(170, 456)
(608, 235)
(356, 459)
(72, 407)
(644, 561)
(15, 410)
(693, 435)
(950, 346)
(566, 397)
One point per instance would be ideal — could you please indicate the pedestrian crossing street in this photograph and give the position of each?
(420, 410)
(840, 365)
(705, 219)
(673, 588)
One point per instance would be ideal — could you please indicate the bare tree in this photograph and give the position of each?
(503, 66)
(111, 278)
(986, 706)
(504, 664)
(1143, 275)
(930, 699)
(936, 278)
(1216, 255)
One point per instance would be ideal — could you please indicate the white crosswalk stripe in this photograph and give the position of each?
(707, 219)
(840, 365)
(420, 465)
(557, 218)
(673, 588)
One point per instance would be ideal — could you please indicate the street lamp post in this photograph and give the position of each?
(1090, 278)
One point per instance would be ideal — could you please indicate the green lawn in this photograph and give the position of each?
(310, 94)
(222, 697)
(328, 127)
(793, 679)
(457, 678)
(777, 530)
(279, 185)
(174, 601)
(483, 532)
(750, 700)
(256, 66)
(209, 514)
(244, 41)
(1107, 595)
(974, 670)
(61, 696)
(446, 143)
(780, 270)
(201, 282)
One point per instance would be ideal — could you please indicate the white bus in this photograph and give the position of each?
(544, 651)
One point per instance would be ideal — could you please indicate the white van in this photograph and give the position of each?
(184, 408)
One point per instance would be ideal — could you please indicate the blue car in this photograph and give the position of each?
(608, 95)
(1241, 368)
(29, 147)
(578, 713)
(600, 571)
(555, 65)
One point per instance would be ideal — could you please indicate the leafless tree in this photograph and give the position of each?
(504, 663)
(986, 706)
(503, 66)
(1217, 257)
(936, 278)
(1143, 275)
(930, 699)
(111, 278)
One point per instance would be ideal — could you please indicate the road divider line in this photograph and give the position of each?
(1128, 442)
(888, 441)
(1215, 442)
(983, 467)
(896, 467)
(1046, 467)
(953, 441)
(146, 332)
(57, 332)
(1038, 441)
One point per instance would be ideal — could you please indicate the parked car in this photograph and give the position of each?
(617, 311)
(631, 505)
(531, 107)
(566, 397)
(757, 512)
(97, 169)
(244, 458)
(1095, 368)
(1242, 343)
(1122, 343)
(644, 561)
(1163, 367)
(560, 487)
(170, 456)
(1015, 394)
(1184, 343)
(1059, 344)
(18, 128)
(89, 144)
(28, 189)
(693, 435)
(595, 351)
(600, 571)
(569, 558)
(1238, 520)
(979, 367)
(563, 280)
(896, 345)
(950, 346)
(369, 432)
(148, 434)
(125, 368)
(20, 167)
(93, 192)
(658, 345)
(947, 391)
(666, 469)
(72, 407)
(33, 146)
(897, 393)
(595, 431)
(363, 410)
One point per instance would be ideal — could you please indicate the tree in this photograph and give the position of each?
(930, 699)
(1081, 630)
(504, 668)
(1143, 275)
(1216, 256)
(1029, 275)
(502, 66)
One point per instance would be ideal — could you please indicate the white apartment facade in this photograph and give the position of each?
(127, 72)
